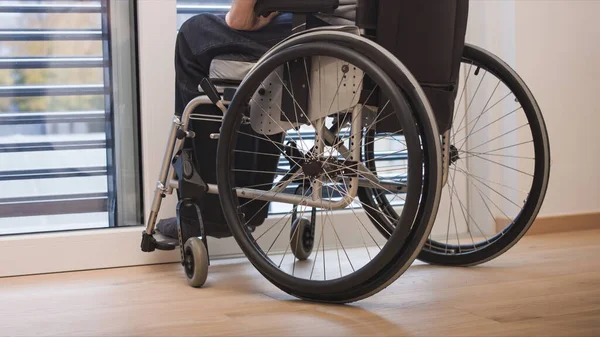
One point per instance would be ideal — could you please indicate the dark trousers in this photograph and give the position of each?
(199, 41)
(205, 36)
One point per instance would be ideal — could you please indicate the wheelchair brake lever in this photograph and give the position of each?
(209, 90)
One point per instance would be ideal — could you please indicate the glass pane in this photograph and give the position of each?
(188, 8)
(66, 21)
(68, 138)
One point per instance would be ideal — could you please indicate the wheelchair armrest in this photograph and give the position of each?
(265, 7)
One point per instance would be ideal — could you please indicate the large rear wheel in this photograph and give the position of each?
(499, 165)
(351, 258)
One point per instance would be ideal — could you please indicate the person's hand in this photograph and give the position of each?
(241, 16)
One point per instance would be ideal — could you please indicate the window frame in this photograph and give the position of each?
(117, 140)
(104, 247)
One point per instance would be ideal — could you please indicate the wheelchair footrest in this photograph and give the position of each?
(165, 242)
(158, 241)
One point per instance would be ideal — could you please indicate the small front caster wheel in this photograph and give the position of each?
(195, 262)
(302, 238)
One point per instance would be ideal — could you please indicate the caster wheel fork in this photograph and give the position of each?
(193, 248)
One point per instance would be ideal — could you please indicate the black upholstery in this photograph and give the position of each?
(428, 36)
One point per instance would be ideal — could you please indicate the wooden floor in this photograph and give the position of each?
(548, 285)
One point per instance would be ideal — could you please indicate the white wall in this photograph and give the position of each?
(558, 53)
(554, 45)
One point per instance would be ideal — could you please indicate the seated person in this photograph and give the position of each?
(243, 32)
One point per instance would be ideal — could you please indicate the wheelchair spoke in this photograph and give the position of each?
(481, 193)
(387, 136)
(496, 191)
(464, 209)
(483, 109)
(259, 185)
(508, 167)
(379, 186)
(450, 211)
(361, 173)
(342, 140)
(471, 101)
(318, 246)
(272, 226)
(391, 168)
(294, 99)
(377, 120)
(336, 234)
(267, 154)
(287, 182)
(504, 134)
(511, 220)
(307, 79)
(275, 122)
(504, 148)
(487, 125)
(289, 214)
(490, 181)
(295, 109)
(469, 154)
(488, 109)
(277, 144)
(488, 208)
(337, 251)
(463, 91)
(255, 171)
(282, 113)
(323, 223)
(386, 155)
(297, 243)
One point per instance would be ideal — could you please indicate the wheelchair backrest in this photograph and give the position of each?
(428, 36)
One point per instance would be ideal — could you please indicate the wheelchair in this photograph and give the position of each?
(334, 173)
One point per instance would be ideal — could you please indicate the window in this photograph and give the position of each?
(188, 8)
(68, 116)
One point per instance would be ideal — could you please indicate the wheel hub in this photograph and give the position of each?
(313, 168)
(188, 264)
(453, 154)
(332, 167)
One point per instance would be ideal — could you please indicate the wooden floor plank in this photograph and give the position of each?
(546, 285)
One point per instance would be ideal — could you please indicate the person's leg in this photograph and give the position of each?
(200, 39)
(206, 36)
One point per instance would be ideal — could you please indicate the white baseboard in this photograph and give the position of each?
(78, 250)
(120, 247)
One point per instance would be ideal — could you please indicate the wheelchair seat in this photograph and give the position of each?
(230, 68)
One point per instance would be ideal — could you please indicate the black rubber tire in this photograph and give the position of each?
(525, 218)
(196, 262)
(302, 238)
(403, 245)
